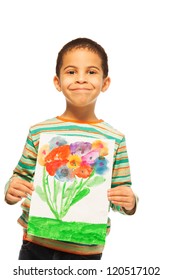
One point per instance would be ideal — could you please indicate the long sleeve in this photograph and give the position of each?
(26, 165)
(25, 168)
(121, 171)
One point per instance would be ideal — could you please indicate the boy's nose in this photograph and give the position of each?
(81, 78)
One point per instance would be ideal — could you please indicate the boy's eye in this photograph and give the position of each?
(71, 72)
(91, 72)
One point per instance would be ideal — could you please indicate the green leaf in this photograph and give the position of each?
(40, 192)
(70, 189)
(80, 195)
(67, 192)
(96, 181)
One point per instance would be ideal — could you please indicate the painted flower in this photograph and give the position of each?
(77, 167)
(59, 153)
(64, 174)
(56, 142)
(90, 157)
(80, 148)
(74, 161)
(42, 153)
(100, 166)
(83, 171)
(101, 147)
(52, 166)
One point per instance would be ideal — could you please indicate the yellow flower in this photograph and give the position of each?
(74, 161)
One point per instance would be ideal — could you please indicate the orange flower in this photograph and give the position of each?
(83, 171)
(101, 147)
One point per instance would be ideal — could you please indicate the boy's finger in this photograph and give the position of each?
(17, 182)
(11, 198)
(17, 193)
(117, 192)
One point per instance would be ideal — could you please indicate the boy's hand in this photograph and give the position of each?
(17, 190)
(122, 196)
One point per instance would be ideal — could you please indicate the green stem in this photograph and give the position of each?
(61, 207)
(55, 194)
(84, 183)
(73, 193)
(46, 184)
(70, 195)
(66, 206)
(49, 192)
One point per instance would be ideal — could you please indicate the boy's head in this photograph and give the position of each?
(84, 43)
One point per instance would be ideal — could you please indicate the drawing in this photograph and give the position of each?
(71, 172)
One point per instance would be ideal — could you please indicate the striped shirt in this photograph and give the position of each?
(62, 127)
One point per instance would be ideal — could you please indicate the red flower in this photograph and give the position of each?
(52, 166)
(59, 153)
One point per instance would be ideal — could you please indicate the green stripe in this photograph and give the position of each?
(30, 143)
(80, 129)
(122, 161)
(22, 165)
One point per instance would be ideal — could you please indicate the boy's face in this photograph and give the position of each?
(81, 77)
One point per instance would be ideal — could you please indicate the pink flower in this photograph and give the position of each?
(91, 157)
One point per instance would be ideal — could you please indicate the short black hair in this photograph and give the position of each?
(83, 43)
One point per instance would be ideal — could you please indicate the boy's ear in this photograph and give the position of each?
(57, 83)
(106, 84)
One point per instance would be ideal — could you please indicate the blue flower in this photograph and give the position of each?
(100, 165)
(56, 142)
(64, 174)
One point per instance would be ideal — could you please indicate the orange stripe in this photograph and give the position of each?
(121, 168)
(122, 148)
(30, 138)
(27, 163)
(30, 152)
(24, 204)
(77, 121)
(43, 124)
(18, 171)
(119, 158)
(115, 183)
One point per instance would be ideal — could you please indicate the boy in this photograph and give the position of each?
(81, 74)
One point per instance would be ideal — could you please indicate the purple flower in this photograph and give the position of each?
(80, 148)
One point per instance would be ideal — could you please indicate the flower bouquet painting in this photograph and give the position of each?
(71, 181)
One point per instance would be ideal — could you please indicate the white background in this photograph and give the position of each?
(138, 38)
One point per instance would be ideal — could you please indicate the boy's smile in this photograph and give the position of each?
(81, 78)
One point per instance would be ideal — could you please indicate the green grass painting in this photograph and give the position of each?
(67, 231)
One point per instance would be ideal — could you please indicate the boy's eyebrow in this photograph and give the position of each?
(70, 66)
(73, 66)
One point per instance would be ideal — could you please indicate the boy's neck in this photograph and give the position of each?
(80, 114)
